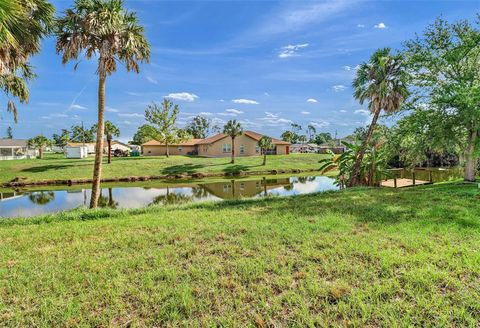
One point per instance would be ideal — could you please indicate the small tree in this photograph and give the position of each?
(110, 131)
(200, 127)
(61, 139)
(164, 119)
(233, 129)
(9, 133)
(142, 135)
(81, 134)
(265, 143)
(39, 142)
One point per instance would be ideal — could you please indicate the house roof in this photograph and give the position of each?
(13, 143)
(78, 144)
(212, 139)
(189, 142)
(116, 142)
(258, 136)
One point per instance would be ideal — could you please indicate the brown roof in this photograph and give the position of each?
(13, 142)
(212, 139)
(76, 144)
(257, 136)
(189, 142)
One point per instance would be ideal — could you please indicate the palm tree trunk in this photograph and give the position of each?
(97, 168)
(109, 150)
(40, 152)
(265, 156)
(166, 150)
(233, 151)
(355, 178)
(470, 158)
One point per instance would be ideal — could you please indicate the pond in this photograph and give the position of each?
(31, 203)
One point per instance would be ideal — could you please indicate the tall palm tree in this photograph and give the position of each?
(265, 143)
(22, 26)
(110, 131)
(105, 29)
(233, 129)
(381, 82)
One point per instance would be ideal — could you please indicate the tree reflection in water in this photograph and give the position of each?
(41, 197)
(171, 198)
(104, 201)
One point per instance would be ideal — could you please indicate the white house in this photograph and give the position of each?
(119, 145)
(16, 149)
(90, 146)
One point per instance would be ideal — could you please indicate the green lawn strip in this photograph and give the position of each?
(359, 257)
(56, 167)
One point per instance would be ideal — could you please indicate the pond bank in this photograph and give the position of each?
(19, 182)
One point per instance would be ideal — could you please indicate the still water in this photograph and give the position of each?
(32, 203)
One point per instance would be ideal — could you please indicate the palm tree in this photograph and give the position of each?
(265, 143)
(106, 29)
(110, 131)
(39, 142)
(22, 26)
(233, 129)
(381, 82)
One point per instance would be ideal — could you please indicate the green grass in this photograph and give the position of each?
(55, 166)
(360, 257)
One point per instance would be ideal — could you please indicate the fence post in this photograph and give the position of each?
(413, 177)
(395, 181)
(430, 176)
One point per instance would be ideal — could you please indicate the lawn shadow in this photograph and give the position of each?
(237, 168)
(182, 169)
(50, 167)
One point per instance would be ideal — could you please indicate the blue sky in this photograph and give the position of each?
(264, 63)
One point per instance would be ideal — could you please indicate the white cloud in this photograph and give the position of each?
(380, 26)
(183, 96)
(350, 68)
(320, 124)
(312, 100)
(339, 87)
(221, 100)
(136, 94)
(360, 25)
(305, 113)
(234, 111)
(59, 115)
(152, 80)
(271, 115)
(112, 110)
(362, 112)
(291, 50)
(266, 94)
(131, 115)
(76, 106)
(245, 101)
(205, 113)
(343, 111)
(127, 122)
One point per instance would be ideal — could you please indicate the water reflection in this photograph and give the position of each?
(31, 203)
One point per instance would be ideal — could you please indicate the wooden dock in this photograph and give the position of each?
(401, 183)
(404, 182)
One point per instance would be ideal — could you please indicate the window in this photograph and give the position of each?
(257, 149)
(227, 148)
(179, 148)
(242, 149)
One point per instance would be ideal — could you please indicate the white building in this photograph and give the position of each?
(76, 151)
(16, 149)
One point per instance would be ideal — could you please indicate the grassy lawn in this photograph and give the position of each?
(360, 257)
(55, 166)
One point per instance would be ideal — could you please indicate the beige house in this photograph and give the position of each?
(219, 145)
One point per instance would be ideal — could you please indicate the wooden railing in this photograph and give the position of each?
(414, 177)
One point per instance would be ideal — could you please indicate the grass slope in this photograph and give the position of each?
(55, 166)
(363, 257)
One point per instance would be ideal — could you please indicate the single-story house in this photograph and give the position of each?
(219, 145)
(16, 149)
(120, 146)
